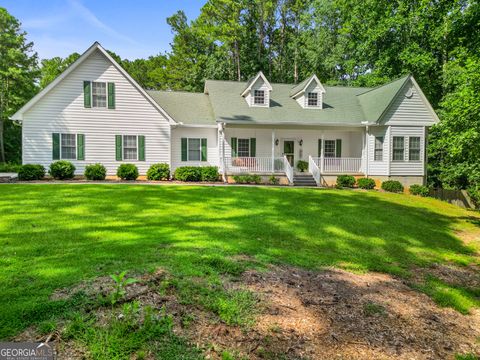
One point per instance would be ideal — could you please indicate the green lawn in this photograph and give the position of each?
(54, 236)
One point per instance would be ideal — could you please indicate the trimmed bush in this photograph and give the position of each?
(273, 180)
(347, 181)
(188, 173)
(302, 165)
(419, 190)
(62, 170)
(366, 183)
(210, 173)
(127, 172)
(392, 186)
(30, 172)
(158, 172)
(95, 172)
(247, 179)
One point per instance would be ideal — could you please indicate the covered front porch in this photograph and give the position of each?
(327, 151)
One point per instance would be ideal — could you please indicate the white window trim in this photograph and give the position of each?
(264, 98)
(238, 149)
(123, 147)
(404, 149)
(334, 148)
(106, 95)
(419, 149)
(375, 148)
(75, 146)
(199, 149)
(319, 99)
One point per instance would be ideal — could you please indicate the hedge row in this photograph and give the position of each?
(64, 170)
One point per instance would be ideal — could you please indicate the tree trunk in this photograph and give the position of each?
(237, 60)
(2, 147)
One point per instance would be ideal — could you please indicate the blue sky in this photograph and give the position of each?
(132, 29)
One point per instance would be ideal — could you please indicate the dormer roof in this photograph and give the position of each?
(253, 80)
(300, 88)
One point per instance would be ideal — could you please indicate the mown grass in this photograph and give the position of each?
(54, 236)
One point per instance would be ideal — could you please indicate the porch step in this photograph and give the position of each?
(303, 180)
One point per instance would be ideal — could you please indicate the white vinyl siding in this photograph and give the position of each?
(68, 150)
(99, 94)
(62, 111)
(409, 111)
(408, 167)
(198, 133)
(378, 167)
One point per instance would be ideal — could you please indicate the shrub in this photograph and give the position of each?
(419, 190)
(273, 180)
(127, 172)
(366, 183)
(209, 173)
(7, 167)
(158, 172)
(247, 179)
(302, 165)
(31, 172)
(345, 181)
(188, 173)
(95, 172)
(62, 170)
(392, 186)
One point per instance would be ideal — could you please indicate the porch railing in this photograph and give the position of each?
(334, 165)
(314, 170)
(266, 164)
(288, 169)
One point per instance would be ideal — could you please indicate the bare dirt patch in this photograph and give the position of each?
(331, 314)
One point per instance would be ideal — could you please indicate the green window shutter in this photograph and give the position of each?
(55, 146)
(80, 147)
(319, 147)
(338, 148)
(87, 94)
(118, 147)
(184, 149)
(233, 144)
(111, 95)
(253, 147)
(141, 147)
(204, 149)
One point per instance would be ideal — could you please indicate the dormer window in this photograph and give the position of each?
(259, 97)
(312, 99)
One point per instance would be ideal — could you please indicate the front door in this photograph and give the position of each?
(289, 151)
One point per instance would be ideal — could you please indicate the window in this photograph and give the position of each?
(243, 147)
(414, 148)
(130, 147)
(398, 148)
(194, 150)
(99, 94)
(329, 149)
(378, 148)
(312, 99)
(259, 97)
(69, 147)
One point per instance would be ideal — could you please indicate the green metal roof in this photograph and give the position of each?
(185, 107)
(221, 102)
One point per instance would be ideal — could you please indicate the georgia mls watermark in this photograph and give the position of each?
(26, 351)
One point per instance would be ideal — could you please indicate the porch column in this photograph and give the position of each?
(273, 151)
(322, 154)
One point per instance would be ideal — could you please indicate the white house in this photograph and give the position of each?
(95, 112)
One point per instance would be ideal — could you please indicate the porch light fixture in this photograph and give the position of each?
(276, 142)
(300, 142)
